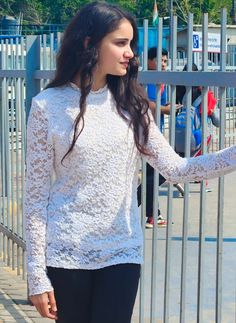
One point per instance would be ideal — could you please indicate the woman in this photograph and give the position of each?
(90, 127)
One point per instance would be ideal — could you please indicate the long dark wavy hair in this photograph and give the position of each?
(94, 21)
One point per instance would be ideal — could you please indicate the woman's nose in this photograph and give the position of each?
(129, 53)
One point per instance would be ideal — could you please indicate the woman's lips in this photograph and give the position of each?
(125, 64)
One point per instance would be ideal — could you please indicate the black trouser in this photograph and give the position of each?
(149, 190)
(104, 295)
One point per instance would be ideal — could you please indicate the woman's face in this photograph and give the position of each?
(115, 52)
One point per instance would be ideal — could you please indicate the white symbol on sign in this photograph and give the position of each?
(195, 41)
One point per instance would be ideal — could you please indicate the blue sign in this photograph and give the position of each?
(196, 42)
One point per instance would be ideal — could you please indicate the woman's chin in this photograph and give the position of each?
(120, 73)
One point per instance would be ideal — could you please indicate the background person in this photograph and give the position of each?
(213, 117)
(165, 109)
(151, 88)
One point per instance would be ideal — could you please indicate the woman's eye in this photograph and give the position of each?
(121, 43)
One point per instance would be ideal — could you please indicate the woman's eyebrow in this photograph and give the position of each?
(122, 39)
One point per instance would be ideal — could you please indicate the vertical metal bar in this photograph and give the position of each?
(2, 61)
(1, 172)
(46, 57)
(59, 34)
(26, 93)
(222, 97)
(173, 88)
(44, 61)
(170, 189)
(11, 137)
(145, 45)
(186, 186)
(12, 163)
(7, 145)
(156, 185)
(51, 50)
(171, 24)
(33, 63)
(203, 183)
(17, 111)
(143, 194)
(159, 58)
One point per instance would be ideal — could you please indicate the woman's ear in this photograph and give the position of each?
(86, 42)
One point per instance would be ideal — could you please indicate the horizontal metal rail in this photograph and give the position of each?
(226, 79)
(223, 79)
(12, 73)
(13, 236)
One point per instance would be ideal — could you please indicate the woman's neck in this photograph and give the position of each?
(98, 82)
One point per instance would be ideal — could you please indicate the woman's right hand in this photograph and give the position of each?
(45, 304)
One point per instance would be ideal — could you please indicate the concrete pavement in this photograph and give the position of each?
(13, 303)
(13, 299)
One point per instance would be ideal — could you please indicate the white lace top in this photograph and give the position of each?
(87, 217)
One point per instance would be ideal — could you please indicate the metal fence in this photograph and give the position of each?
(26, 65)
(219, 80)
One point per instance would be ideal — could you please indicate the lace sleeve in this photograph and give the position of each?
(39, 161)
(179, 170)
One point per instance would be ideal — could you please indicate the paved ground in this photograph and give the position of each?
(13, 299)
(13, 303)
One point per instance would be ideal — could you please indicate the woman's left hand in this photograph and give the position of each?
(45, 304)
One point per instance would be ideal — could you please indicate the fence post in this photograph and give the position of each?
(32, 85)
(143, 189)
(219, 246)
(3, 94)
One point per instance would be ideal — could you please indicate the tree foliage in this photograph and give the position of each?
(198, 7)
(60, 11)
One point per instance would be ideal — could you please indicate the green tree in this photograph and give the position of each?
(142, 9)
(6, 7)
(212, 7)
(61, 11)
(32, 10)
